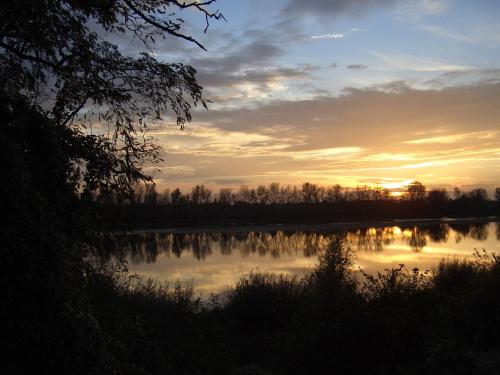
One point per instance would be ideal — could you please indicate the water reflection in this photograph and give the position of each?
(145, 247)
(217, 259)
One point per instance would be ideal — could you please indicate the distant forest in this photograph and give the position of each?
(310, 202)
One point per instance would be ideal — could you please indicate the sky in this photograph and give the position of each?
(355, 92)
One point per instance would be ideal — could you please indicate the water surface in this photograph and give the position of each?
(214, 261)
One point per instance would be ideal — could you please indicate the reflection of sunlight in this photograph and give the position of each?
(447, 251)
(406, 233)
(215, 261)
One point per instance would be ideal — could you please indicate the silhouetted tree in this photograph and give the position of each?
(311, 193)
(150, 194)
(333, 193)
(164, 198)
(457, 193)
(437, 197)
(200, 194)
(176, 197)
(497, 194)
(262, 195)
(225, 196)
(244, 194)
(478, 195)
(60, 75)
(48, 46)
(274, 192)
(415, 191)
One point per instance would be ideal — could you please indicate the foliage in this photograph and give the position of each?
(396, 322)
(58, 54)
(75, 112)
(277, 203)
(415, 191)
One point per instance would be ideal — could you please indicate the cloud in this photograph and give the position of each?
(228, 181)
(432, 6)
(385, 113)
(324, 153)
(328, 36)
(260, 77)
(465, 77)
(253, 53)
(418, 64)
(356, 66)
(330, 8)
(416, 9)
(362, 134)
(479, 34)
(205, 140)
(454, 138)
(178, 171)
(443, 32)
(248, 70)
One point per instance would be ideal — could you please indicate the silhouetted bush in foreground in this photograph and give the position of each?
(396, 322)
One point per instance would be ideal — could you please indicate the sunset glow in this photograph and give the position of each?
(250, 186)
(361, 95)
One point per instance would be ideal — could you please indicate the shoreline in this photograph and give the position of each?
(251, 227)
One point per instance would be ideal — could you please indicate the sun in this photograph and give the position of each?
(396, 184)
(396, 194)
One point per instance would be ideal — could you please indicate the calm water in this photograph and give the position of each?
(214, 261)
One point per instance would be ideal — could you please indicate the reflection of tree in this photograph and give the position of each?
(479, 231)
(437, 233)
(498, 231)
(417, 240)
(201, 245)
(141, 248)
(461, 231)
(370, 239)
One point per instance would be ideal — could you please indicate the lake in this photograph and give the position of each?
(213, 260)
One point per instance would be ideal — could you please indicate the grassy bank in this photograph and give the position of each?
(398, 322)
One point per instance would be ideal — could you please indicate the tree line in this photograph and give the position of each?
(276, 194)
(277, 203)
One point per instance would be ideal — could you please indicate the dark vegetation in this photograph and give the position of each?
(310, 203)
(67, 310)
(397, 322)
